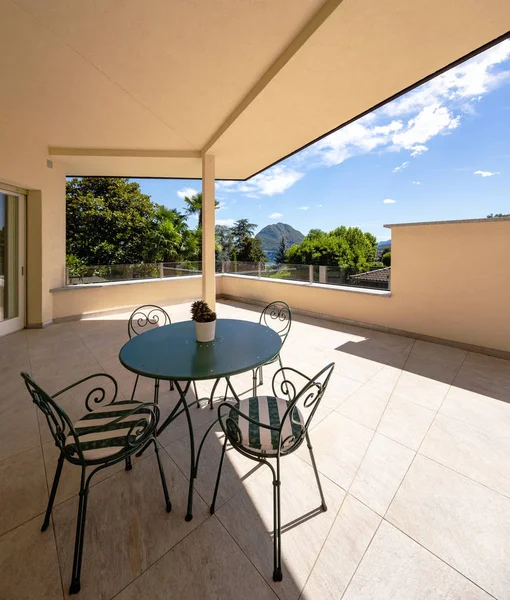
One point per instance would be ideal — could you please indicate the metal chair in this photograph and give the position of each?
(281, 429)
(109, 433)
(144, 316)
(278, 317)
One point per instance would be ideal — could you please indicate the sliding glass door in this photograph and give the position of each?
(12, 262)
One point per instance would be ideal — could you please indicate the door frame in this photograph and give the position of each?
(17, 323)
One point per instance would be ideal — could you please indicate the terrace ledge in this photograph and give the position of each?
(454, 222)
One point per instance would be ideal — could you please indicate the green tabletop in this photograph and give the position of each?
(172, 352)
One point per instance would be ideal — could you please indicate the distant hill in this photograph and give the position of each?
(271, 235)
(382, 245)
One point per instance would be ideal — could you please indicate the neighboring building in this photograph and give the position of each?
(378, 278)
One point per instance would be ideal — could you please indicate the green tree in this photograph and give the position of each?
(110, 221)
(242, 229)
(346, 247)
(386, 259)
(251, 251)
(280, 253)
(194, 206)
(497, 216)
(224, 242)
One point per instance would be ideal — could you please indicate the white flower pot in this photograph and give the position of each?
(205, 331)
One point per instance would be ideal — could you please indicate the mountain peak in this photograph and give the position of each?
(270, 237)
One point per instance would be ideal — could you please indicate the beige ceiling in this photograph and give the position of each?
(249, 80)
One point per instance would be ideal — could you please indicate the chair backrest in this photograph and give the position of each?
(307, 400)
(147, 316)
(59, 423)
(278, 317)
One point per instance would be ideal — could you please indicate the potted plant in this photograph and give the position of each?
(205, 321)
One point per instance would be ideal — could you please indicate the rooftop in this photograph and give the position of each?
(411, 441)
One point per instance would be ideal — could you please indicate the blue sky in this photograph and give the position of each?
(440, 152)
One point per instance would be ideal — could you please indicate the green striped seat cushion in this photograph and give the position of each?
(267, 410)
(98, 438)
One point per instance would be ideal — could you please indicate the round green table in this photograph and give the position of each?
(172, 353)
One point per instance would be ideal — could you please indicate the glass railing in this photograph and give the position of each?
(110, 273)
(374, 278)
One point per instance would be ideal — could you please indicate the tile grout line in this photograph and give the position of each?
(347, 491)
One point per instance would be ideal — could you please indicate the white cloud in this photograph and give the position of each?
(416, 182)
(319, 205)
(275, 215)
(274, 181)
(303, 208)
(418, 149)
(400, 167)
(389, 201)
(221, 206)
(227, 222)
(486, 173)
(187, 192)
(430, 121)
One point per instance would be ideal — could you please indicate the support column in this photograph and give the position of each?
(208, 237)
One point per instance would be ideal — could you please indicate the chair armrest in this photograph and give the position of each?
(99, 391)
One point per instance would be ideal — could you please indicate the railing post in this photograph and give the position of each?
(161, 272)
(323, 274)
(260, 269)
(310, 273)
(223, 266)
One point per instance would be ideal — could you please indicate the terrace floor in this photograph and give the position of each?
(412, 441)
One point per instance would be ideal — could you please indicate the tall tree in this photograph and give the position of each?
(241, 230)
(224, 242)
(194, 206)
(251, 251)
(109, 221)
(280, 253)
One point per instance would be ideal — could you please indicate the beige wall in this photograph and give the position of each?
(449, 281)
(23, 163)
(76, 301)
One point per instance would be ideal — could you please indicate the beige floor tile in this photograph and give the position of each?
(28, 564)
(405, 422)
(248, 517)
(485, 375)
(424, 391)
(478, 454)
(127, 526)
(354, 367)
(347, 542)
(397, 568)
(366, 405)
(381, 472)
(464, 523)
(339, 389)
(483, 412)
(339, 445)
(208, 564)
(19, 431)
(23, 491)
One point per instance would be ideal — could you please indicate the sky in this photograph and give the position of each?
(440, 152)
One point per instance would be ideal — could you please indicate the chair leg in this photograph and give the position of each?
(80, 532)
(134, 388)
(129, 466)
(277, 559)
(53, 493)
(163, 478)
(314, 465)
(213, 505)
(172, 386)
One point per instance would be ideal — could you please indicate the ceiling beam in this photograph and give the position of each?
(321, 15)
(109, 152)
